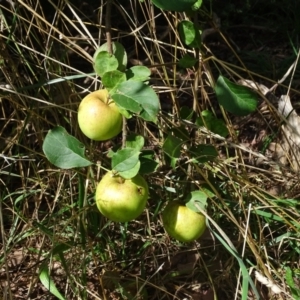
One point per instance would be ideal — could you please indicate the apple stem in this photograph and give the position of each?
(122, 180)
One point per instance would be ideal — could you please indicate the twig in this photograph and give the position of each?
(110, 50)
(108, 26)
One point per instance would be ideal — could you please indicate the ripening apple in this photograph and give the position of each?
(182, 223)
(119, 199)
(98, 116)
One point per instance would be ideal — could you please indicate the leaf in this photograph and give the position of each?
(236, 99)
(174, 5)
(125, 159)
(148, 163)
(138, 73)
(135, 141)
(289, 276)
(131, 172)
(197, 5)
(186, 113)
(181, 133)
(119, 53)
(203, 153)
(63, 150)
(196, 197)
(138, 98)
(105, 62)
(112, 79)
(187, 61)
(172, 146)
(212, 123)
(48, 282)
(189, 34)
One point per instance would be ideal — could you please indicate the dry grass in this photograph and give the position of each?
(48, 218)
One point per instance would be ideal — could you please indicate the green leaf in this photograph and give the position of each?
(187, 61)
(148, 163)
(174, 5)
(63, 150)
(125, 159)
(186, 113)
(135, 141)
(119, 53)
(181, 133)
(112, 79)
(289, 276)
(236, 99)
(194, 199)
(172, 146)
(203, 153)
(48, 282)
(189, 34)
(138, 73)
(131, 172)
(138, 98)
(212, 123)
(105, 62)
(197, 5)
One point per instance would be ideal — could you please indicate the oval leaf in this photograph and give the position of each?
(236, 99)
(135, 141)
(131, 172)
(189, 34)
(172, 146)
(138, 73)
(63, 150)
(148, 162)
(112, 79)
(138, 98)
(197, 5)
(119, 53)
(194, 199)
(203, 153)
(105, 62)
(212, 123)
(187, 61)
(124, 159)
(174, 5)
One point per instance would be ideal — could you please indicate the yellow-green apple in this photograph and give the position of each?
(98, 116)
(119, 199)
(182, 223)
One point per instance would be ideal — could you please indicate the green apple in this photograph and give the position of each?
(119, 199)
(182, 223)
(98, 116)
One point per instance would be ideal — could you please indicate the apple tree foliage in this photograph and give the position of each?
(130, 89)
(134, 97)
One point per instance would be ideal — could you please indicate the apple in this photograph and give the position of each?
(182, 223)
(119, 199)
(98, 116)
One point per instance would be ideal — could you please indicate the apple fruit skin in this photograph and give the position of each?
(119, 199)
(98, 116)
(182, 223)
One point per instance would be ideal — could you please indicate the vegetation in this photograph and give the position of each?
(191, 127)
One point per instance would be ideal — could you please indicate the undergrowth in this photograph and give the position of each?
(52, 235)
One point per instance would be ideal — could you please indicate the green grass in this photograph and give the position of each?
(52, 235)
